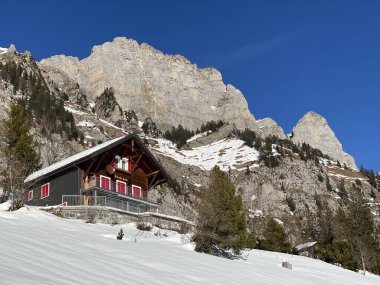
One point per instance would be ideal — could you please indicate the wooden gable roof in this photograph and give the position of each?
(97, 156)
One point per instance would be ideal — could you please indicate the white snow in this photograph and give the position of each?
(111, 125)
(197, 136)
(86, 124)
(5, 206)
(279, 221)
(69, 160)
(39, 248)
(255, 213)
(226, 153)
(77, 112)
(3, 50)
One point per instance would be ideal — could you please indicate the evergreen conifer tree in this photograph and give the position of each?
(18, 149)
(221, 223)
(356, 225)
(275, 237)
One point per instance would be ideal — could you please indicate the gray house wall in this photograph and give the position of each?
(64, 183)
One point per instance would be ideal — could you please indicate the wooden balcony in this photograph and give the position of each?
(93, 187)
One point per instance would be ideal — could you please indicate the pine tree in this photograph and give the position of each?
(221, 223)
(275, 237)
(356, 225)
(18, 149)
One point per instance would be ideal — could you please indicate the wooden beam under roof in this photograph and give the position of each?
(153, 173)
(88, 169)
(100, 161)
(133, 149)
(158, 182)
(152, 180)
(137, 161)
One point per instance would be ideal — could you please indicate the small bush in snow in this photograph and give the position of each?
(120, 235)
(144, 226)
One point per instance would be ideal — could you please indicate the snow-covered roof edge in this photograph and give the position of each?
(71, 159)
(305, 245)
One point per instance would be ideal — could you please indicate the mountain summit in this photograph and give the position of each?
(314, 130)
(168, 88)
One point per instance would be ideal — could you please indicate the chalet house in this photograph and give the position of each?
(118, 173)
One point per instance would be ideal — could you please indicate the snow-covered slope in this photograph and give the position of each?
(3, 50)
(39, 248)
(226, 153)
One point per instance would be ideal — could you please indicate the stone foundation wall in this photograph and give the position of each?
(108, 215)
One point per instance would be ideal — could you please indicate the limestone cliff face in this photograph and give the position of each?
(168, 88)
(314, 130)
(268, 126)
(171, 90)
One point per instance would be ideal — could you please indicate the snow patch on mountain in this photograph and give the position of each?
(3, 50)
(77, 112)
(86, 124)
(226, 153)
(197, 136)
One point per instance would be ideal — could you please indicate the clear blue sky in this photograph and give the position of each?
(287, 57)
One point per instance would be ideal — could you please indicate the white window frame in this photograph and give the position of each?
(118, 164)
(117, 186)
(133, 194)
(30, 192)
(100, 182)
(48, 192)
(126, 163)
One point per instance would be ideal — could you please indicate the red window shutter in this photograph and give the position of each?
(121, 187)
(45, 190)
(136, 191)
(30, 195)
(105, 182)
(130, 165)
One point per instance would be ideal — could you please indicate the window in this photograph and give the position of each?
(105, 182)
(121, 187)
(30, 195)
(122, 163)
(45, 190)
(125, 164)
(118, 161)
(136, 191)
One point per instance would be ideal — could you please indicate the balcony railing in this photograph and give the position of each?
(96, 183)
(102, 201)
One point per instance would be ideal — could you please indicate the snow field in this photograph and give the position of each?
(39, 248)
(226, 153)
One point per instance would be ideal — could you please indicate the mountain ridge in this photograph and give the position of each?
(158, 81)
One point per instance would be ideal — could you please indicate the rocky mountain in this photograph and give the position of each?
(268, 126)
(275, 178)
(314, 130)
(168, 88)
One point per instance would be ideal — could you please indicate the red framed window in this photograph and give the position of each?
(136, 191)
(30, 195)
(121, 187)
(105, 182)
(45, 190)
